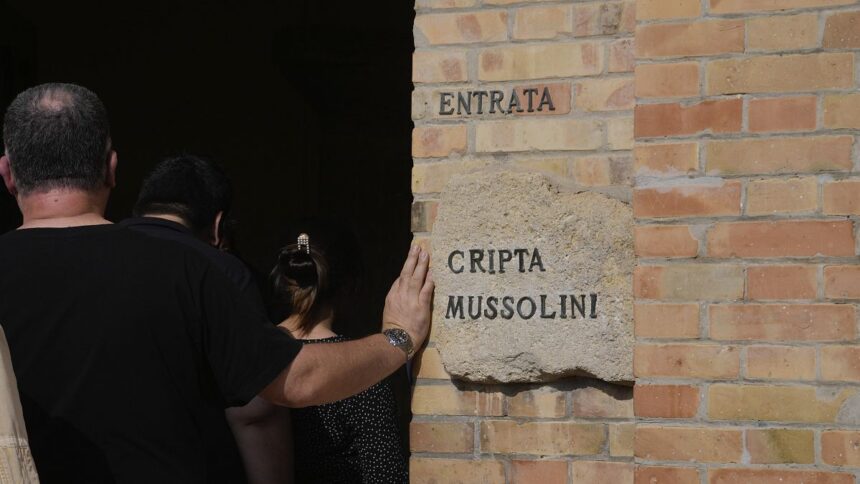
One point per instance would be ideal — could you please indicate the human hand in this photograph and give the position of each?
(409, 301)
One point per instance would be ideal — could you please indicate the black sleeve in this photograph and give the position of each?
(245, 351)
(377, 440)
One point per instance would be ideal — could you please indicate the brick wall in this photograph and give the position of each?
(747, 358)
(571, 431)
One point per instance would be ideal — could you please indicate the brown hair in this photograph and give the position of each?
(301, 283)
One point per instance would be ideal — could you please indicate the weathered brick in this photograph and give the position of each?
(690, 39)
(774, 403)
(782, 282)
(603, 18)
(666, 320)
(842, 111)
(551, 166)
(666, 401)
(539, 471)
(667, 80)
(460, 28)
(842, 282)
(666, 475)
(585, 471)
(842, 197)
(665, 241)
(666, 159)
(438, 141)
(423, 215)
(543, 22)
(675, 119)
(686, 361)
(537, 403)
(781, 362)
(840, 448)
(783, 114)
(441, 437)
(461, 471)
(707, 200)
(445, 3)
(619, 133)
(661, 9)
(782, 322)
(621, 440)
(432, 177)
(601, 170)
(613, 94)
(540, 61)
(622, 55)
(741, 6)
(780, 155)
(842, 30)
(776, 476)
(688, 443)
(840, 363)
(448, 400)
(792, 195)
(602, 402)
(538, 134)
(802, 238)
(806, 72)
(439, 66)
(780, 446)
(683, 282)
(542, 438)
(789, 32)
(429, 365)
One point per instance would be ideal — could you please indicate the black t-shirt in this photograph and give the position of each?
(122, 345)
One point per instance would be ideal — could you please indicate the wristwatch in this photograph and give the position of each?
(401, 339)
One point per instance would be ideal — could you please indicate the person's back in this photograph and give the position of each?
(104, 362)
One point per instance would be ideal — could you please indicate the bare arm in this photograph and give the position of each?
(326, 373)
(264, 436)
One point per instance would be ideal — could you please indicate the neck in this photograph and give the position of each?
(167, 216)
(319, 329)
(62, 207)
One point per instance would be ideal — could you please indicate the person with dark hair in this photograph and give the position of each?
(123, 344)
(187, 199)
(355, 440)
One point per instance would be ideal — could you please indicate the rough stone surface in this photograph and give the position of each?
(585, 241)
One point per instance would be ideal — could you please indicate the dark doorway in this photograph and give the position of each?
(306, 103)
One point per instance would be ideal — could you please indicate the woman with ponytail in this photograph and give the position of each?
(355, 440)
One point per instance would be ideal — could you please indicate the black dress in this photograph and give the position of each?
(350, 441)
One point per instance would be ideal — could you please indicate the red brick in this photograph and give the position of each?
(666, 320)
(614, 94)
(782, 73)
(783, 32)
(840, 448)
(606, 402)
(780, 155)
(667, 80)
(433, 66)
(776, 403)
(842, 30)
(690, 39)
(842, 197)
(840, 363)
(722, 116)
(688, 201)
(803, 238)
(661, 9)
(666, 159)
(781, 362)
(842, 111)
(776, 476)
(542, 438)
(458, 28)
(686, 361)
(666, 401)
(842, 282)
(665, 241)
(782, 282)
(438, 141)
(782, 322)
(783, 114)
(782, 195)
(688, 444)
(441, 437)
(542, 22)
(424, 215)
(742, 6)
(666, 475)
(622, 56)
(461, 471)
(685, 282)
(538, 472)
(584, 471)
(603, 18)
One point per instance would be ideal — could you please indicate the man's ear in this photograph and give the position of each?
(111, 169)
(6, 173)
(216, 230)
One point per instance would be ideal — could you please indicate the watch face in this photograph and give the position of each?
(398, 336)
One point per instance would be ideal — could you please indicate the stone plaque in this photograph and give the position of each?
(533, 283)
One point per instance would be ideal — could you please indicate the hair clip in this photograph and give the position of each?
(304, 241)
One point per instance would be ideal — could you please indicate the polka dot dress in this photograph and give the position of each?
(350, 441)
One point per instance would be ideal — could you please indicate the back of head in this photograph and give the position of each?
(310, 280)
(189, 187)
(57, 136)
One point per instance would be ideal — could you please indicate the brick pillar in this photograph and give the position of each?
(747, 359)
(572, 431)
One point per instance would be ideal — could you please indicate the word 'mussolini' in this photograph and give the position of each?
(495, 101)
(493, 261)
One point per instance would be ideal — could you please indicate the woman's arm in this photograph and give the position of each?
(264, 437)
